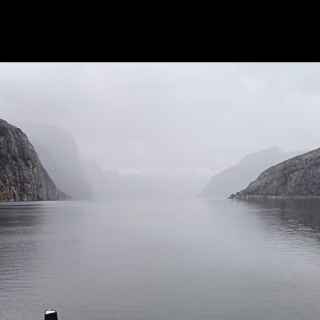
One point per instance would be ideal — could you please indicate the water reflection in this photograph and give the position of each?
(18, 224)
(13, 217)
(156, 259)
(300, 215)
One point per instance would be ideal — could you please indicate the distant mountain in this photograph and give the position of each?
(294, 178)
(22, 175)
(112, 184)
(239, 176)
(108, 184)
(60, 154)
(103, 183)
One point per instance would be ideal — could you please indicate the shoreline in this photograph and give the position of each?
(271, 197)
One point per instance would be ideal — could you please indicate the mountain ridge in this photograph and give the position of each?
(238, 176)
(22, 175)
(297, 177)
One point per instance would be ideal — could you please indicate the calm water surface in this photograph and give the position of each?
(160, 259)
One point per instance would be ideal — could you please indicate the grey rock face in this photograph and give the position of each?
(60, 155)
(22, 176)
(294, 178)
(238, 177)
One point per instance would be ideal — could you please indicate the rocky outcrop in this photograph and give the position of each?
(298, 177)
(240, 175)
(22, 176)
(61, 157)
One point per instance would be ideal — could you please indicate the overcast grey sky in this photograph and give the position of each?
(151, 116)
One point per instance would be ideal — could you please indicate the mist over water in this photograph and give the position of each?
(155, 116)
(159, 259)
(137, 144)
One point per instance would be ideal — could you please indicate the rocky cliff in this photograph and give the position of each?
(22, 176)
(61, 157)
(241, 174)
(294, 178)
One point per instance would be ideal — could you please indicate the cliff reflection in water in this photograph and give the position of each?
(18, 227)
(296, 214)
(145, 259)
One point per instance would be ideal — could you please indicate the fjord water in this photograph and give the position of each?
(166, 258)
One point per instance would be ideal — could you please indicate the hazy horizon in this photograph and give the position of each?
(168, 117)
(119, 214)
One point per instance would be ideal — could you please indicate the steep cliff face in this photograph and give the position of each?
(240, 175)
(22, 176)
(61, 157)
(296, 177)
